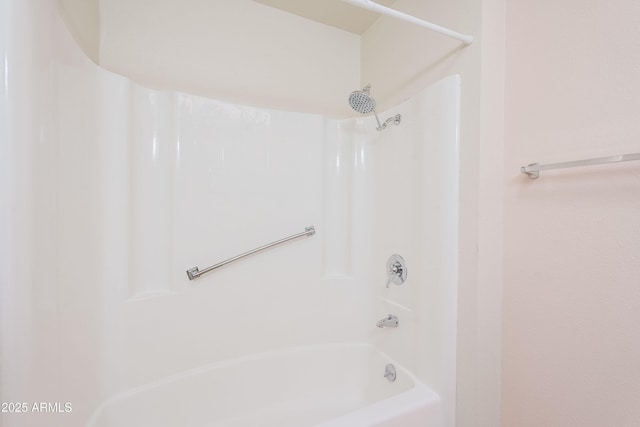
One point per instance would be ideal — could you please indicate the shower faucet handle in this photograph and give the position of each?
(396, 270)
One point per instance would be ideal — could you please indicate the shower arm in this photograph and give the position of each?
(383, 10)
(393, 120)
(380, 127)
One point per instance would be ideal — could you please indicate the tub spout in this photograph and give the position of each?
(391, 321)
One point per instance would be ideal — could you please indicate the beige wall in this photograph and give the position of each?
(571, 335)
(399, 59)
(82, 17)
(236, 51)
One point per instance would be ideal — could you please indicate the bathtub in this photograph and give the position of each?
(336, 385)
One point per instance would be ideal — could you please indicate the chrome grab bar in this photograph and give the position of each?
(194, 273)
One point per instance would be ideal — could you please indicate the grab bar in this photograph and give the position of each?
(194, 273)
(533, 170)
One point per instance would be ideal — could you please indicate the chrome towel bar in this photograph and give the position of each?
(194, 273)
(533, 170)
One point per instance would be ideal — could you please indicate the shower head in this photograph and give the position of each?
(363, 103)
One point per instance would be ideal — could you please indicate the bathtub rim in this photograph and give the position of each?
(408, 396)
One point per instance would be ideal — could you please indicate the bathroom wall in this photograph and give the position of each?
(238, 51)
(399, 59)
(571, 237)
(82, 18)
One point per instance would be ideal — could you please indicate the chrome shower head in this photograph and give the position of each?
(363, 103)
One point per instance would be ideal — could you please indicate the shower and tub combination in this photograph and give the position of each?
(116, 190)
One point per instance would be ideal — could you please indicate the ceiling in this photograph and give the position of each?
(330, 12)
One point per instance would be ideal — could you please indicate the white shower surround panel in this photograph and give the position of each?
(115, 190)
(405, 201)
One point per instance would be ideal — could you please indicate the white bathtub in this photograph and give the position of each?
(337, 385)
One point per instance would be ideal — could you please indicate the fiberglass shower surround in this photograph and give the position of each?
(313, 302)
(113, 190)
